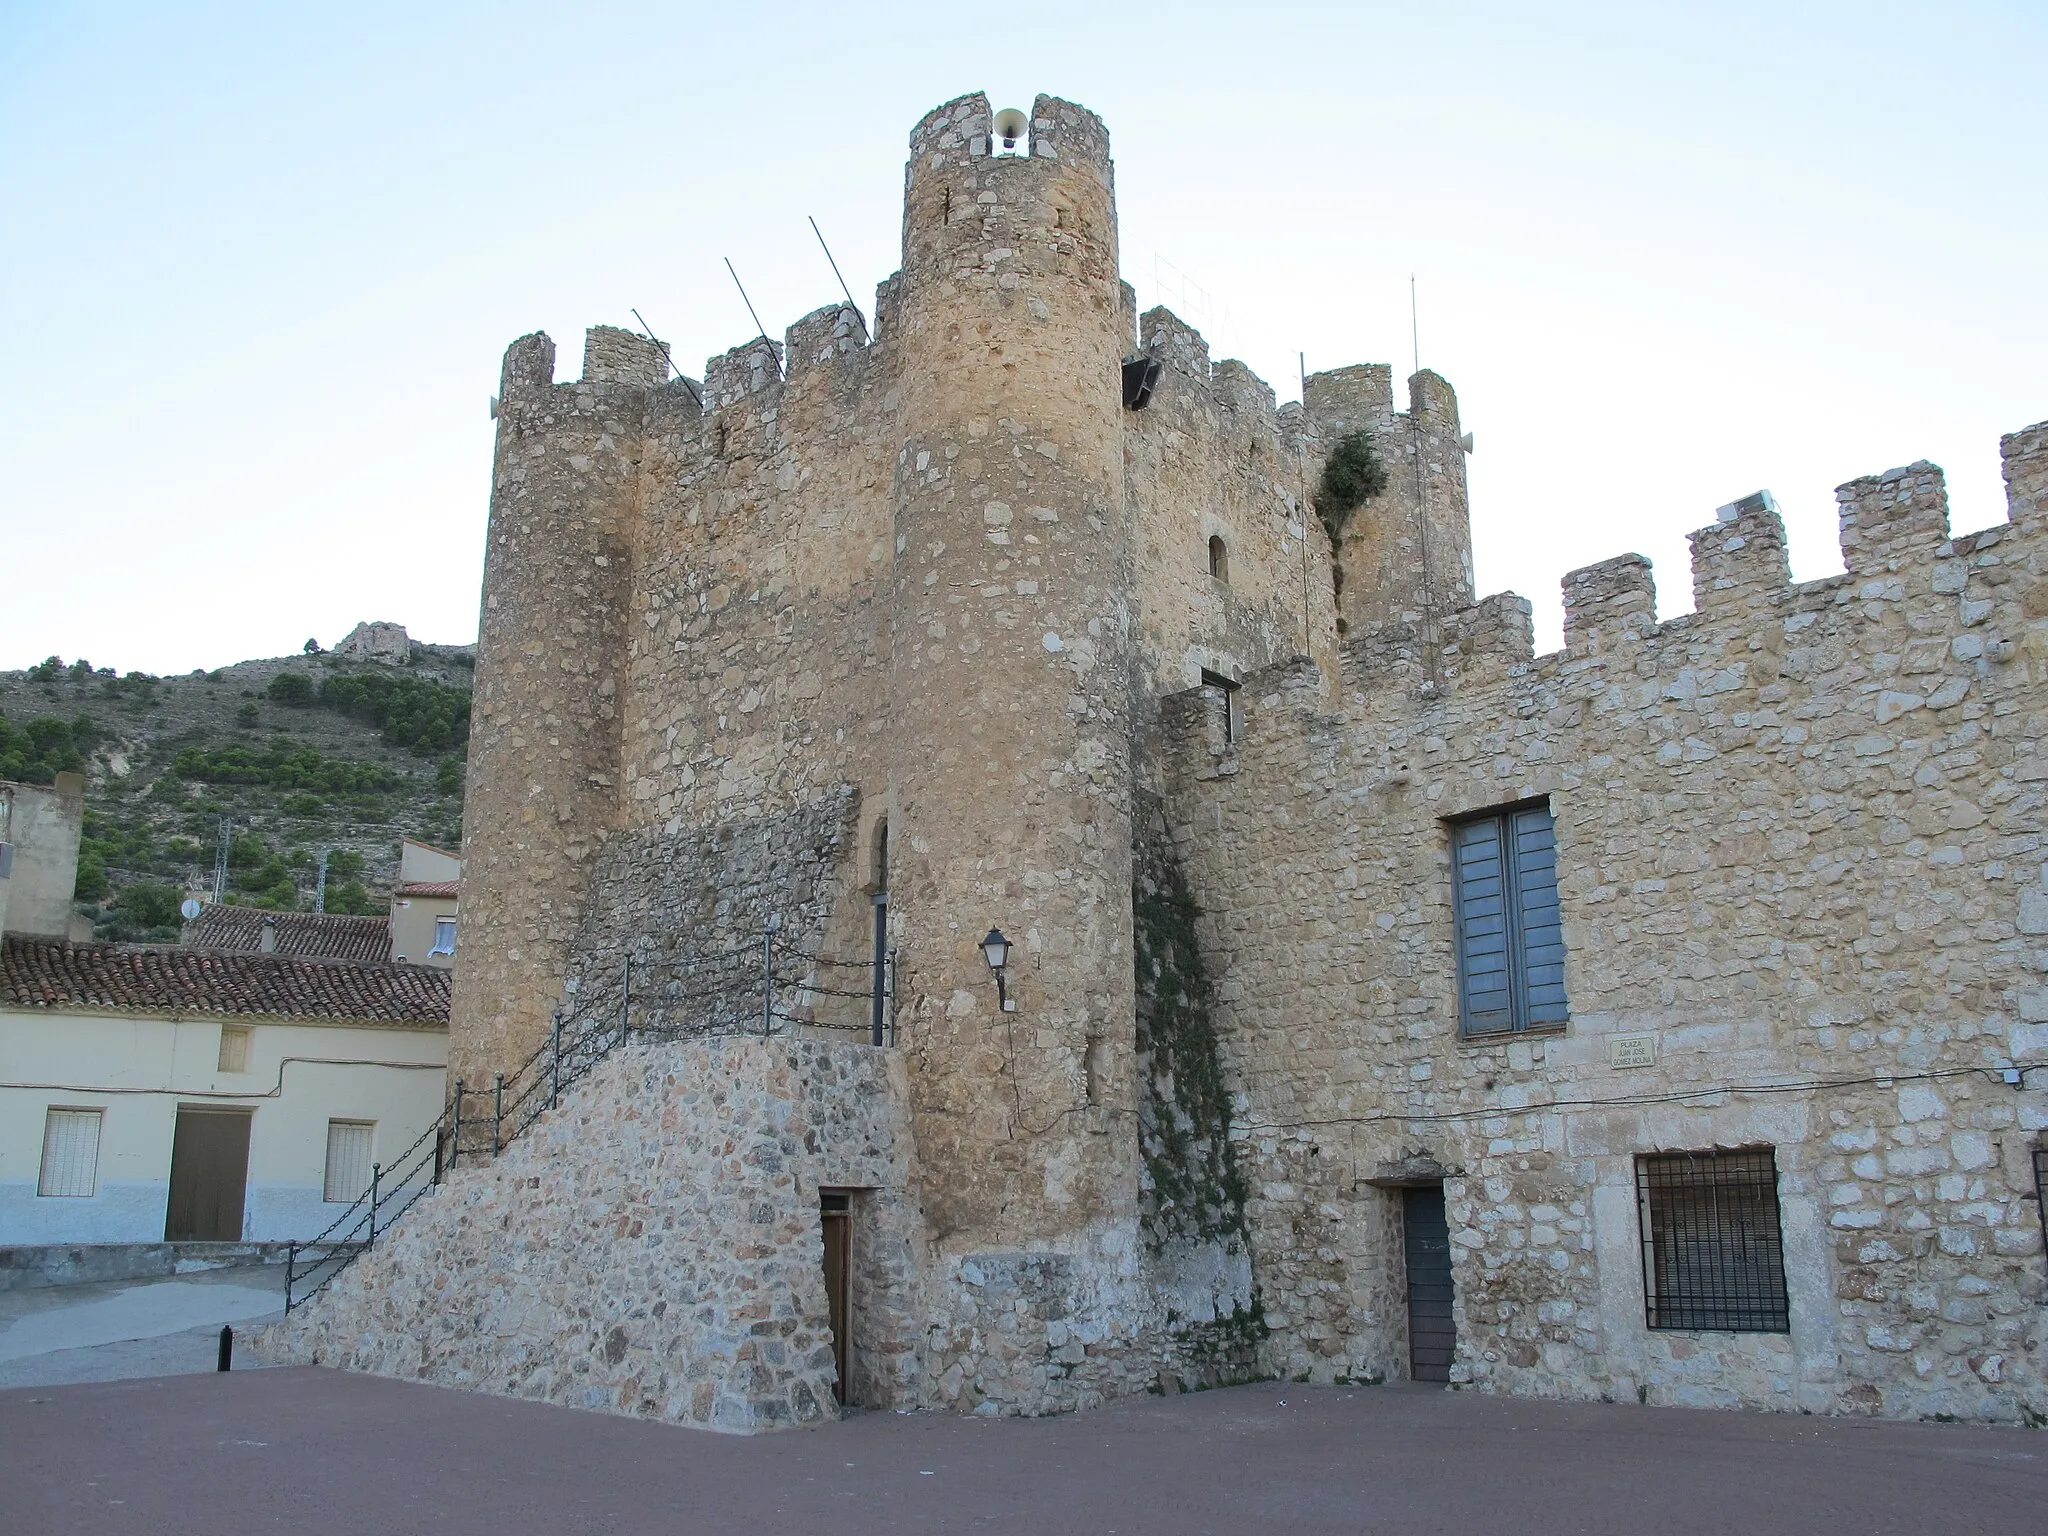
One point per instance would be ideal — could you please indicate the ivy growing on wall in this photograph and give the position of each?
(1196, 1190)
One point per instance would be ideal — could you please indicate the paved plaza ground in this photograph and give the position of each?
(323, 1451)
(122, 1328)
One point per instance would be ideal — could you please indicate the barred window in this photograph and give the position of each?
(349, 1144)
(2041, 1186)
(1713, 1248)
(1510, 941)
(71, 1153)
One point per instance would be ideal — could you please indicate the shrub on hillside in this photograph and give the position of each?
(283, 764)
(150, 905)
(427, 717)
(292, 689)
(37, 752)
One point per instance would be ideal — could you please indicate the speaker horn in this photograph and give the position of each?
(1010, 125)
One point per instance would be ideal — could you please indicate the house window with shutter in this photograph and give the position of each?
(349, 1144)
(71, 1153)
(1510, 943)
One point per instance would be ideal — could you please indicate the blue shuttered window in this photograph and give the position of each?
(1510, 943)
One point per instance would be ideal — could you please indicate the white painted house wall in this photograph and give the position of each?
(137, 1071)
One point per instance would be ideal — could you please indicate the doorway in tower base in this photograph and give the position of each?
(1426, 1247)
(835, 1221)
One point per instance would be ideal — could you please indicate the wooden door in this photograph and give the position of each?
(837, 1249)
(209, 1176)
(1426, 1234)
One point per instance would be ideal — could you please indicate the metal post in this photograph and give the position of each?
(626, 1000)
(768, 981)
(376, 1171)
(555, 1070)
(291, 1262)
(879, 979)
(497, 1114)
(225, 1358)
(455, 1136)
(892, 996)
(440, 1151)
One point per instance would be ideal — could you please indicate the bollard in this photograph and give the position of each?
(227, 1349)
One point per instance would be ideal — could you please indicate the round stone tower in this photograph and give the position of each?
(1012, 652)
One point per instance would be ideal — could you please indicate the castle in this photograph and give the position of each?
(1659, 1020)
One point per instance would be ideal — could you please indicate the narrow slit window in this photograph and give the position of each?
(1219, 559)
(1713, 1244)
(1509, 937)
(350, 1149)
(71, 1154)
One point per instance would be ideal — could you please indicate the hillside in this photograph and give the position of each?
(299, 753)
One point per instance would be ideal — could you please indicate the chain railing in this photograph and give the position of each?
(794, 990)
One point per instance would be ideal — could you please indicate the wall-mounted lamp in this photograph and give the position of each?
(996, 950)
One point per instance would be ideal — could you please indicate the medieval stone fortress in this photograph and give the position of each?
(1661, 1020)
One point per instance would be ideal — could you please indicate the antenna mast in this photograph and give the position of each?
(750, 310)
(220, 863)
(836, 273)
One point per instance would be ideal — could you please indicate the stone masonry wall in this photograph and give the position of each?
(690, 908)
(653, 1246)
(1800, 843)
(544, 750)
(1211, 457)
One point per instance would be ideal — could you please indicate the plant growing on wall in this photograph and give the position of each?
(1352, 475)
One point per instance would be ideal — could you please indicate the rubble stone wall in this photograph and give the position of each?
(1800, 845)
(652, 1247)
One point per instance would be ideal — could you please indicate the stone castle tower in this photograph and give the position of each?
(878, 618)
(1009, 608)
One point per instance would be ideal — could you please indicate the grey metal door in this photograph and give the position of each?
(1426, 1235)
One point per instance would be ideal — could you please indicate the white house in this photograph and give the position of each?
(199, 1092)
(162, 1094)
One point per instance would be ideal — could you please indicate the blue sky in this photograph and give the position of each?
(258, 264)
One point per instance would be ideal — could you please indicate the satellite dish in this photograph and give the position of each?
(1010, 125)
(188, 909)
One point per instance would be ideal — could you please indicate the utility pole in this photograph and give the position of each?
(320, 890)
(220, 862)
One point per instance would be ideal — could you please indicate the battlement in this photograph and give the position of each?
(1895, 542)
(960, 130)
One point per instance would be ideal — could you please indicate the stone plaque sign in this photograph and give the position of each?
(1632, 1050)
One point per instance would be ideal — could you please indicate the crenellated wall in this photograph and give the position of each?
(1800, 845)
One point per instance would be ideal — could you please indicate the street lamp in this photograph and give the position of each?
(996, 950)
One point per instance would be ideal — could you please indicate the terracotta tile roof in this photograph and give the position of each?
(450, 888)
(158, 979)
(322, 935)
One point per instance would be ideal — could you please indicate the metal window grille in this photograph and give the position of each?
(349, 1147)
(234, 1049)
(2041, 1188)
(71, 1153)
(1509, 935)
(1713, 1246)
